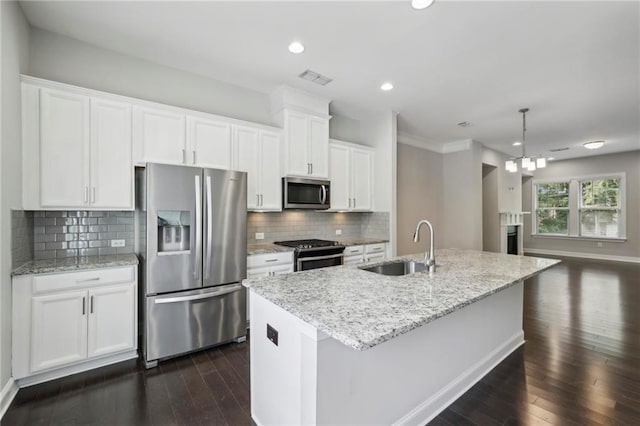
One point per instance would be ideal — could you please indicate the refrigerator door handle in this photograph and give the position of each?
(198, 230)
(209, 210)
(208, 295)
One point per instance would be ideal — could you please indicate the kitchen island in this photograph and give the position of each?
(343, 345)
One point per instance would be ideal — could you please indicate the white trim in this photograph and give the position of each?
(457, 146)
(582, 255)
(577, 237)
(8, 393)
(429, 409)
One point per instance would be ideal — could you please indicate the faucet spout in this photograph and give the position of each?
(430, 255)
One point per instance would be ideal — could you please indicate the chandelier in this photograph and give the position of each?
(528, 163)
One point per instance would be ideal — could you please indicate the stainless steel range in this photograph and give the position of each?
(313, 254)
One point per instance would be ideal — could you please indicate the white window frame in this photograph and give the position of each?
(575, 206)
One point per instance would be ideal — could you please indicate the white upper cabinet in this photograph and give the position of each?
(64, 151)
(111, 164)
(306, 145)
(76, 151)
(159, 136)
(208, 143)
(351, 175)
(257, 152)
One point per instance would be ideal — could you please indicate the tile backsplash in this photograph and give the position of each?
(58, 234)
(298, 224)
(21, 237)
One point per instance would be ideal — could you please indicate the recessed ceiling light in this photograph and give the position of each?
(550, 158)
(421, 4)
(593, 144)
(296, 47)
(517, 143)
(386, 87)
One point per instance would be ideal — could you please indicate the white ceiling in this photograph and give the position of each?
(575, 64)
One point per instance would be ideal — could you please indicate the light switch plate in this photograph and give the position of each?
(259, 235)
(117, 243)
(338, 231)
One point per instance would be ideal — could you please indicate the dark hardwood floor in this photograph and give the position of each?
(580, 366)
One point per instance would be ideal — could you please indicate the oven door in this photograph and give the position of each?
(319, 261)
(298, 193)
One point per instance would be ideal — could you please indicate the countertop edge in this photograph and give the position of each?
(49, 266)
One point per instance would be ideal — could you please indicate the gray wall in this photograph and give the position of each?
(297, 224)
(60, 58)
(490, 213)
(628, 162)
(14, 40)
(419, 196)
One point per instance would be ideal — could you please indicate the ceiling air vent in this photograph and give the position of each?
(464, 124)
(559, 149)
(314, 77)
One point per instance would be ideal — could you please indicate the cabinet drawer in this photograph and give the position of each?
(353, 251)
(260, 260)
(44, 283)
(375, 248)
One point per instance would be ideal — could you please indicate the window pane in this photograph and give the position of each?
(599, 223)
(553, 194)
(600, 192)
(553, 221)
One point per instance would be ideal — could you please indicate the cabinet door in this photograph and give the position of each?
(159, 136)
(111, 162)
(64, 153)
(209, 143)
(58, 329)
(271, 182)
(361, 186)
(247, 153)
(112, 319)
(339, 176)
(319, 147)
(297, 134)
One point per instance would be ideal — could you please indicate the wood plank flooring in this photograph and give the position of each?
(580, 366)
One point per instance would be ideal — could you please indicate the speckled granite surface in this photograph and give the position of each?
(359, 241)
(266, 249)
(362, 309)
(71, 264)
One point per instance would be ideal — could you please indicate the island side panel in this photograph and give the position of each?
(411, 378)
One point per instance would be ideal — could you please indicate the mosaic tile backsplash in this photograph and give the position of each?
(298, 224)
(58, 234)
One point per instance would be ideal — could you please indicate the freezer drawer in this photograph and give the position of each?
(186, 321)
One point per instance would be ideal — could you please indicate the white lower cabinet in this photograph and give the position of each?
(70, 322)
(266, 265)
(365, 253)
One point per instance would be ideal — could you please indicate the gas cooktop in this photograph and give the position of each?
(306, 244)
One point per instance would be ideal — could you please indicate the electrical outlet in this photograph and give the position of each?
(259, 235)
(599, 244)
(338, 231)
(117, 243)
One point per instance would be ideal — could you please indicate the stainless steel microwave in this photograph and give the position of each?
(299, 193)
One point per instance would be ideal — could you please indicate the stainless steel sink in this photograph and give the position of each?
(403, 267)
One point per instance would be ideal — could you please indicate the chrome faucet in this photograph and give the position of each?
(430, 255)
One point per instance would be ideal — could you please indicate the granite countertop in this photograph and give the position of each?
(356, 241)
(266, 248)
(71, 264)
(362, 309)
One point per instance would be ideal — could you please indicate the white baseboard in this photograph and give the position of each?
(429, 409)
(9, 391)
(582, 255)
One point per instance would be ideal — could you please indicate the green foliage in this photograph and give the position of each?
(600, 193)
(553, 221)
(553, 195)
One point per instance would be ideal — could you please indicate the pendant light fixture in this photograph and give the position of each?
(526, 162)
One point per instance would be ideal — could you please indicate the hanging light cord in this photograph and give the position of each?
(524, 129)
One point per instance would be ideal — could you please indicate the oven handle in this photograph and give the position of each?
(330, 256)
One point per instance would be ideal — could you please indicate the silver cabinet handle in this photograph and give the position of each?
(201, 296)
(308, 168)
(86, 194)
(183, 156)
(93, 195)
(91, 304)
(209, 250)
(198, 228)
(311, 168)
(353, 251)
(271, 260)
(88, 279)
(257, 200)
(354, 203)
(84, 301)
(194, 156)
(349, 202)
(261, 200)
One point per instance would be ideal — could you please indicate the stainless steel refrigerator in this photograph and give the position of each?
(191, 239)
